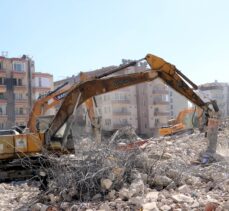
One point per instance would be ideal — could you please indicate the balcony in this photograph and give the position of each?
(160, 102)
(18, 74)
(3, 100)
(121, 101)
(119, 125)
(21, 117)
(2, 88)
(160, 91)
(3, 117)
(41, 89)
(21, 102)
(21, 88)
(2, 73)
(161, 113)
(121, 113)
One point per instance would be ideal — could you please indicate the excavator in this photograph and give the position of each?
(54, 98)
(31, 144)
(44, 103)
(186, 121)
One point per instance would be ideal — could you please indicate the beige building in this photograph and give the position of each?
(219, 92)
(177, 103)
(20, 86)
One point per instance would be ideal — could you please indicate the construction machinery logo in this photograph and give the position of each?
(60, 96)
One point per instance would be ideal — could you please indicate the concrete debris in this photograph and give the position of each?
(125, 194)
(182, 198)
(151, 206)
(161, 181)
(183, 189)
(152, 196)
(125, 135)
(106, 183)
(163, 175)
(165, 208)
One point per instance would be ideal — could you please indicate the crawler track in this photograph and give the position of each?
(21, 169)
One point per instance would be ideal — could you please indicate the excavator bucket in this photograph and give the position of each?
(212, 132)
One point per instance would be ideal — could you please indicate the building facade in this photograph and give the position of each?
(20, 86)
(177, 103)
(219, 92)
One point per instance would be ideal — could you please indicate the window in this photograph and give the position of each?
(157, 121)
(2, 125)
(19, 111)
(18, 96)
(107, 122)
(19, 82)
(1, 111)
(123, 121)
(40, 83)
(18, 67)
(1, 81)
(2, 96)
(1, 65)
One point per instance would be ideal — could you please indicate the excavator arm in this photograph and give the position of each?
(178, 81)
(159, 69)
(44, 103)
(55, 97)
(83, 91)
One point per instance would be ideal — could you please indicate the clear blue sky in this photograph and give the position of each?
(65, 37)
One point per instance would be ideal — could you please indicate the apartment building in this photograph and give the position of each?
(219, 92)
(144, 106)
(177, 103)
(20, 86)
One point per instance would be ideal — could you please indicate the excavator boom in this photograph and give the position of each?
(159, 69)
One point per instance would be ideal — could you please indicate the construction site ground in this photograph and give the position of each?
(158, 174)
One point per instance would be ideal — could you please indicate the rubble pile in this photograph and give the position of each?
(162, 174)
(14, 195)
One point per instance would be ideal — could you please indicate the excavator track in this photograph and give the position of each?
(21, 169)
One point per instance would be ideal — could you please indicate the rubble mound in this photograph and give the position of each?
(162, 174)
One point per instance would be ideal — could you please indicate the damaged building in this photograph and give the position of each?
(20, 86)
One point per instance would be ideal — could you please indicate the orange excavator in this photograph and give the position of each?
(14, 146)
(54, 98)
(44, 103)
(186, 121)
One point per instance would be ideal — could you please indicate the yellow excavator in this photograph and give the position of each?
(29, 144)
(54, 98)
(186, 121)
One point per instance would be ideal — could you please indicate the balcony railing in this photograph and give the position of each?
(20, 87)
(21, 100)
(119, 125)
(160, 91)
(3, 117)
(121, 113)
(44, 89)
(161, 113)
(18, 74)
(160, 102)
(121, 101)
(3, 99)
(2, 88)
(2, 73)
(21, 116)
